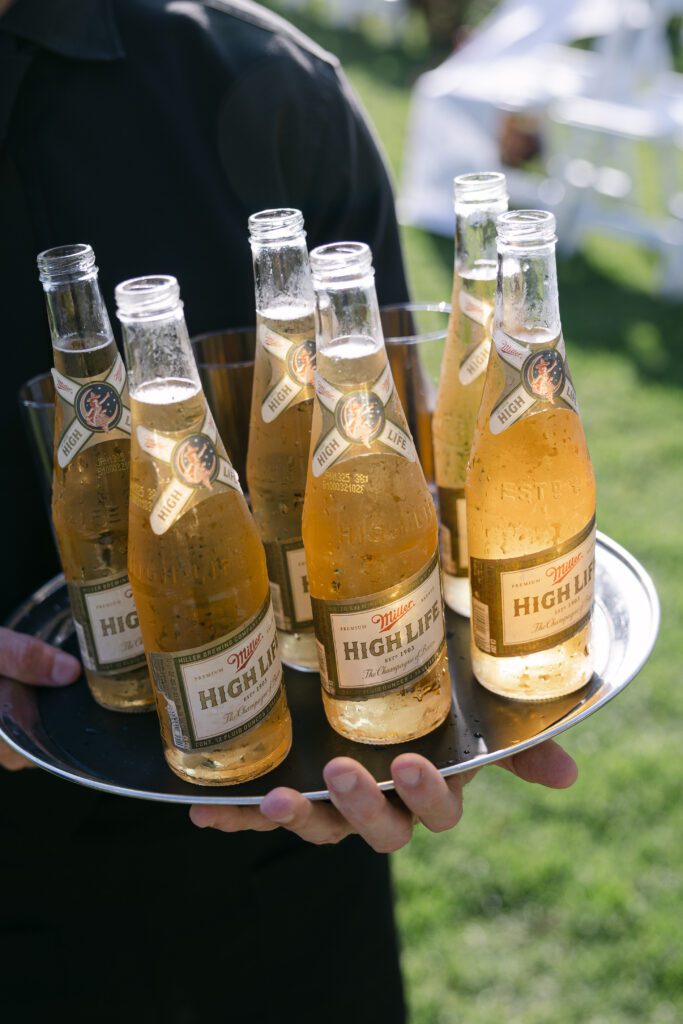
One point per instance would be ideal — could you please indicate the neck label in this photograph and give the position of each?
(292, 371)
(197, 464)
(534, 380)
(94, 410)
(355, 421)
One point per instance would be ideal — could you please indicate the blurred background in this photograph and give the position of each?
(547, 908)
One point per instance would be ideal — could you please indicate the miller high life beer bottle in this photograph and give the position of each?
(479, 200)
(369, 525)
(530, 486)
(280, 424)
(91, 477)
(196, 561)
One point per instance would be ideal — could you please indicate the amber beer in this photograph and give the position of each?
(280, 423)
(90, 479)
(196, 562)
(530, 487)
(369, 525)
(479, 200)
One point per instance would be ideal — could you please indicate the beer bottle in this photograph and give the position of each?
(90, 479)
(369, 525)
(196, 562)
(530, 487)
(479, 199)
(280, 424)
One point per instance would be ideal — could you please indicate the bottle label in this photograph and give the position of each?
(190, 468)
(533, 380)
(292, 372)
(474, 308)
(94, 410)
(529, 604)
(222, 690)
(384, 642)
(107, 628)
(288, 577)
(453, 531)
(356, 419)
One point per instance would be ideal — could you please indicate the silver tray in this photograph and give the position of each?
(66, 733)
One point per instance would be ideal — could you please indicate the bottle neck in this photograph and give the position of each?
(347, 311)
(475, 237)
(527, 300)
(282, 275)
(77, 315)
(159, 354)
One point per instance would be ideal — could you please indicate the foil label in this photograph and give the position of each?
(107, 625)
(289, 584)
(190, 468)
(224, 689)
(292, 370)
(528, 604)
(94, 410)
(387, 641)
(453, 530)
(533, 380)
(356, 419)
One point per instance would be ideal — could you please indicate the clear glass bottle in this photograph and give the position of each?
(196, 562)
(530, 486)
(91, 477)
(479, 200)
(369, 525)
(280, 423)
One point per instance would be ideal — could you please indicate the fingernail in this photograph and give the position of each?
(65, 669)
(409, 775)
(344, 782)
(200, 816)
(278, 810)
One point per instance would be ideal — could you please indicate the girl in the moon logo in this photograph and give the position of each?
(360, 417)
(98, 407)
(195, 461)
(301, 363)
(543, 374)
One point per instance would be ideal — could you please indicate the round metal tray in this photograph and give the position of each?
(66, 733)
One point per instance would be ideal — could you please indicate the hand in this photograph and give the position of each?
(27, 660)
(359, 806)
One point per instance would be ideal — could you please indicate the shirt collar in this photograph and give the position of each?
(84, 29)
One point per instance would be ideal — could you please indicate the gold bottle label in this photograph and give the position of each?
(94, 410)
(476, 358)
(106, 623)
(453, 531)
(190, 467)
(289, 584)
(533, 381)
(355, 419)
(381, 643)
(529, 604)
(292, 371)
(224, 689)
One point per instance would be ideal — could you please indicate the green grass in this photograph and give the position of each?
(566, 908)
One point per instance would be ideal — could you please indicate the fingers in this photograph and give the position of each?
(547, 764)
(316, 822)
(12, 761)
(229, 818)
(355, 794)
(437, 803)
(29, 660)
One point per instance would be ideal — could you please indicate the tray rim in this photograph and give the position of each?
(206, 795)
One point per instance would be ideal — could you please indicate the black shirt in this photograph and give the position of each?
(152, 129)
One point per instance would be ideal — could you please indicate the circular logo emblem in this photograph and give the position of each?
(543, 373)
(301, 363)
(195, 461)
(98, 407)
(360, 417)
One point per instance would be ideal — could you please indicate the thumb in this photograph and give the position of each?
(28, 660)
